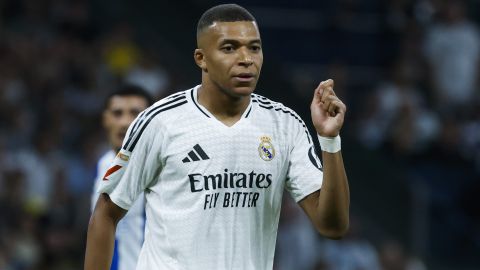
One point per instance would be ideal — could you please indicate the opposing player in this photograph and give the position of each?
(213, 162)
(120, 109)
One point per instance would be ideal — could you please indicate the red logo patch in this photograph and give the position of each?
(111, 171)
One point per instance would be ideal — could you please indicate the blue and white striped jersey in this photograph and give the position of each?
(130, 230)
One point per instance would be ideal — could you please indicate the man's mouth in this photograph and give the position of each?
(245, 77)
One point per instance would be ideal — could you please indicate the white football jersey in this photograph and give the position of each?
(213, 193)
(130, 230)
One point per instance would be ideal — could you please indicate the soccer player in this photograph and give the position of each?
(214, 160)
(120, 109)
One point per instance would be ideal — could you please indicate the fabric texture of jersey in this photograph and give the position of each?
(213, 193)
(130, 230)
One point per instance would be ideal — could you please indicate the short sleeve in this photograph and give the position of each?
(305, 173)
(136, 165)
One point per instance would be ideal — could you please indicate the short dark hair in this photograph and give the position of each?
(128, 90)
(223, 13)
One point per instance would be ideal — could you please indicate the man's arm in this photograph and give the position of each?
(101, 234)
(328, 208)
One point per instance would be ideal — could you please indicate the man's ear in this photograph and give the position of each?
(200, 59)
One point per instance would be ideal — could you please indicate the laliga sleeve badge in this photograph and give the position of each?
(265, 149)
(120, 161)
(123, 156)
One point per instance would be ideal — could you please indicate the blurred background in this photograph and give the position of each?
(408, 71)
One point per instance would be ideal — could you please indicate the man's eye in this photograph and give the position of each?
(117, 113)
(134, 113)
(255, 48)
(227, 48)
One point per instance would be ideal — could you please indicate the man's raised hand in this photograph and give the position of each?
(328, 111)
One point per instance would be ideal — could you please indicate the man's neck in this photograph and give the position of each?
(225, 108)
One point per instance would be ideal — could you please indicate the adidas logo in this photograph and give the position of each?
(196, 154)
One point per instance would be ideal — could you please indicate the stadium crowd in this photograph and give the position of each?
(412, 137)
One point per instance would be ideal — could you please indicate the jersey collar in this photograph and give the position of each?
(206, 113)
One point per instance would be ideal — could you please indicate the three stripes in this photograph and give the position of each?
(265, 103)
(147, 116)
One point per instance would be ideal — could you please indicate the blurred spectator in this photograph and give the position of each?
(121, 52)
(436, 168)
(64, 215)
(452, 48)
(80, 168)
(397, 114)
(25, 248)
(19, 246)
(149, 75)
(40, 163)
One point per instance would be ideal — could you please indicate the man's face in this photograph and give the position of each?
(232, 56)
(119, 114)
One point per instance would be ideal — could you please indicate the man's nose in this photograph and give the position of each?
(245, 59)
(125, 121)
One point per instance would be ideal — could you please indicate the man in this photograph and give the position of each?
(120, 109)
(214, 160)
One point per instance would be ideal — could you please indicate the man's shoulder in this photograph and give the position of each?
(265, 102)
(167, 107)
(172, 99)
(276, 108)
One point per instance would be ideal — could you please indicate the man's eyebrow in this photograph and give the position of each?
(236, 41)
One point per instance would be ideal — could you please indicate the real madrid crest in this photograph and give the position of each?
(265, 149)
